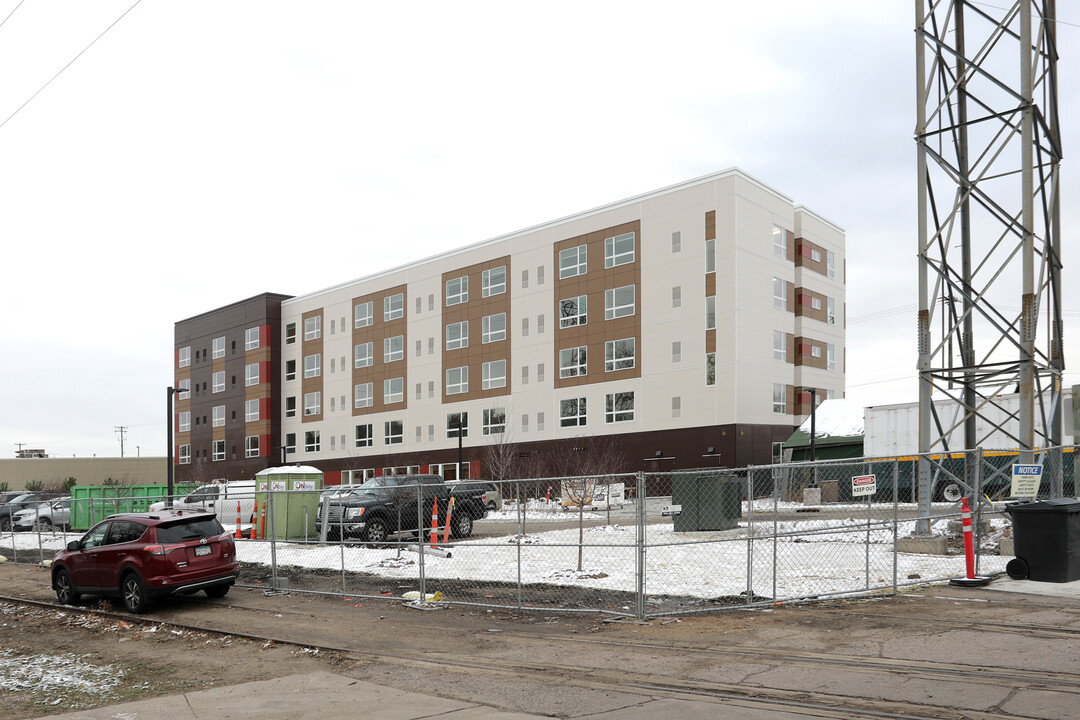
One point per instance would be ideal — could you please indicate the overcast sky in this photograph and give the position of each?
(186, 159)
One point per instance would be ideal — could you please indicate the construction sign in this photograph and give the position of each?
(863, 485)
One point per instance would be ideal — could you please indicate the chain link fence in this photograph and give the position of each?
(632, 545)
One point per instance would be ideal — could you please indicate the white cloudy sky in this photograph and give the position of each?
(186, 159)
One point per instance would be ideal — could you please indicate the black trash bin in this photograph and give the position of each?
(1046, 540)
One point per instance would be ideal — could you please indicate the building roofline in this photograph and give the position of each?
(816, 216)
(233, 304)
(712, 177)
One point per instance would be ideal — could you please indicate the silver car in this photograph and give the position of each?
(44, 516)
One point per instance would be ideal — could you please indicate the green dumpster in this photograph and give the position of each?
(92, 503)
(295, 502)
(709, 501)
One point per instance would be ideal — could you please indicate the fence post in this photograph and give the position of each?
(978, 453)
(775, 526)
(420, 537)
(896, 522)
(639, 589)
(273, 536)
(749, 534)
(869, 520)
(521, 531)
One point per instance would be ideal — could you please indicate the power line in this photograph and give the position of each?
(12, 12)
(69, 63)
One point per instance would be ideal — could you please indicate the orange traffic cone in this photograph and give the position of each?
(238, 535)
(435, 525)
(449, 512)
(254, 517)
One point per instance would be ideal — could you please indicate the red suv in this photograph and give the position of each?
(140, 556)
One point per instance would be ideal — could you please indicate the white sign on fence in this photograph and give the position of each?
(863, 485)
(1026, 480)
(671, 510)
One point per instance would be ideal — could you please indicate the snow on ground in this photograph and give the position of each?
(56, 672)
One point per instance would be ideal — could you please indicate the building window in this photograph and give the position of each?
(251, 446)
(393, 432)
(710, 312)
(676, 296)
(494, 375)
(363, 355)
(184, 357)
(364, 437)
(312, 403)
(290, 333)
(524, 278)
(217, 382)
(185, 390)
(457, 335)
(573, 362)
(815, 303)
(184, 423)
(710, 256)
(431, 388)
(524, 374)
(619, 407)
(419, 391)
(393, 307)
(313, 328)
(619, 250)
(779, 241)
(454, 421)
(524, 327)
(540, 275)
(619, 354)
(815, 351)
(831, 357)
(572, 261)
(185, 454)
(251, 338)
(676, 407)
(676, 352)
(494, 328)
(676, 241)
(540, 372)
(312, 365)
(493, 282)
(779, 345)
(572, 412)
(394, 348)
(457, 380)
(290, 444)
(815, 255)
(290, 406)
(290, 370)
(710, 369)
(619, 302)
(219, 347)
(831, 264)
(217, 451)
(457, 291)
(494, 421)
(831, 311)
(251, 410)
(312, 441)
(251, 374)
(779, 398)
(393, 391)
(779, 292)
(574, 311)
(363, 395)
(363, 315)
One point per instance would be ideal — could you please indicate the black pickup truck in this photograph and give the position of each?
(388, 505)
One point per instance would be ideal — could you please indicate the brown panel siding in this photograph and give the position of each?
(804, 258)
(380, 371)
(710, 225)
(807, 309)
(474, 311)
(804, 356)
(310, 347)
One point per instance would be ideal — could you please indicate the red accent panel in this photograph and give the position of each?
(176, 358)
(805, 299)
(264, 372)
(378, 472)
(425, 469)
(264, 335)
(264, 410)
(264, 446)
(332, 477)
(474, 469)
(804, 250)
(176, 455)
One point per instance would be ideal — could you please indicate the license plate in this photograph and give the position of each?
(202, 550)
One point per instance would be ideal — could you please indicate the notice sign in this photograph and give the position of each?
(1026, 480)
(669, 510)
(863, 485)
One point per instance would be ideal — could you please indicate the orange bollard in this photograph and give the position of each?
(435, 525)
(238, 535)
(254, 517)
(972, 580)
(449, 512)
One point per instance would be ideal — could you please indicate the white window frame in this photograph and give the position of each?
(393, 432)
(779, 236)
(572, 412)
(363, 395)
(251, 446)
(457, 291)
(615, 252)
(312, 441)
(393, 348)
(185, 454)
(251, 374)
(290, 333)
(363, 314)
(313, 328)
(218, 349)
(251, 339)
(574, 362)
(494, 375)
(183, 422)
(453, 428)
(184, 357)
(251, 410)
(574, 311)
(494, 421)
(217, 450)
(493, 328)
(217, 382)
(616, 306)
(815, 303)
(313, 365)
(815, 351)
(779, 401)
(710, 312)
(830, 355)
(779, 345)
(573, 261)
(290, 411)
(830, 310)
(457, 380)
(364, 355)
(779, 293)
(365, 438)
(613, 413)
(710, 256)
(185, 389)
(394, 306)
(393, 390)
(457, 335)
(493, 281)
(313, 403)
(613, 362)
(830, 264)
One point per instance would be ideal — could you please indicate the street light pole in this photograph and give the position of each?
(459, 446)
(169, 472)
(813, 432)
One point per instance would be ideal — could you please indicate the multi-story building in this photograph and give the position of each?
(681, 328)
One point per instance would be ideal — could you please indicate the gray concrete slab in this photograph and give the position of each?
(1069, 590)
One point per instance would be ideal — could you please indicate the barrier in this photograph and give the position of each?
(449, 512)
(254, 524)
(435, 525)
(238, 535)
(969, 551)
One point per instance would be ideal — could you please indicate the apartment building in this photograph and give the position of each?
(682, 327)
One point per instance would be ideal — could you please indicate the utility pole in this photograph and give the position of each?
(121, 430)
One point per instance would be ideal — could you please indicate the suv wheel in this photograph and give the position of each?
(133, 593)
(65, 588)
(376, 531)
(461, 525)
(5, 524)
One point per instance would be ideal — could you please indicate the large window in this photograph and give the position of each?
(574, 311)
(313, 365)
(493, 282)
(217, 450)
(393, 391)
(362, 314)
(364, 437)
(779, 241)
(831, 357)
(185, 389)
(251, 446)
(494, 328)
(710, 312)
(619, 354)
(779, 292)
(217, 415)
(312, 441)
(457, 380)
(457, 335)
(619, 302)
(710, 256)
(457, 290)
(290, 406)
(573, 362)
(217, 382)
(313, 328)
(313, 403)
(779, 345)
(251, 410)
(363, 395)
(393, 307)
(251, 374)
(572, 412)
(183, 357)
(185, 454)
(393, 432)
(251, 338)
(573, 261)
(394, 348)
(456, 422)
(363, 355)
(831, 311)
(494, 375)
(710, 369)
(619, 407)
(779, 398)
(219, 347)
(830, 264)
(619, 250)
(184, 423)
(494, 421)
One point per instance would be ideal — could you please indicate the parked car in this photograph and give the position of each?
(6, 497)
(219, 498)
(44, 516)
(142, 556)
(492, 496)
(20, 502)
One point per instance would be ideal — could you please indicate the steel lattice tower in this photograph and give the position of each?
(989, 155)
